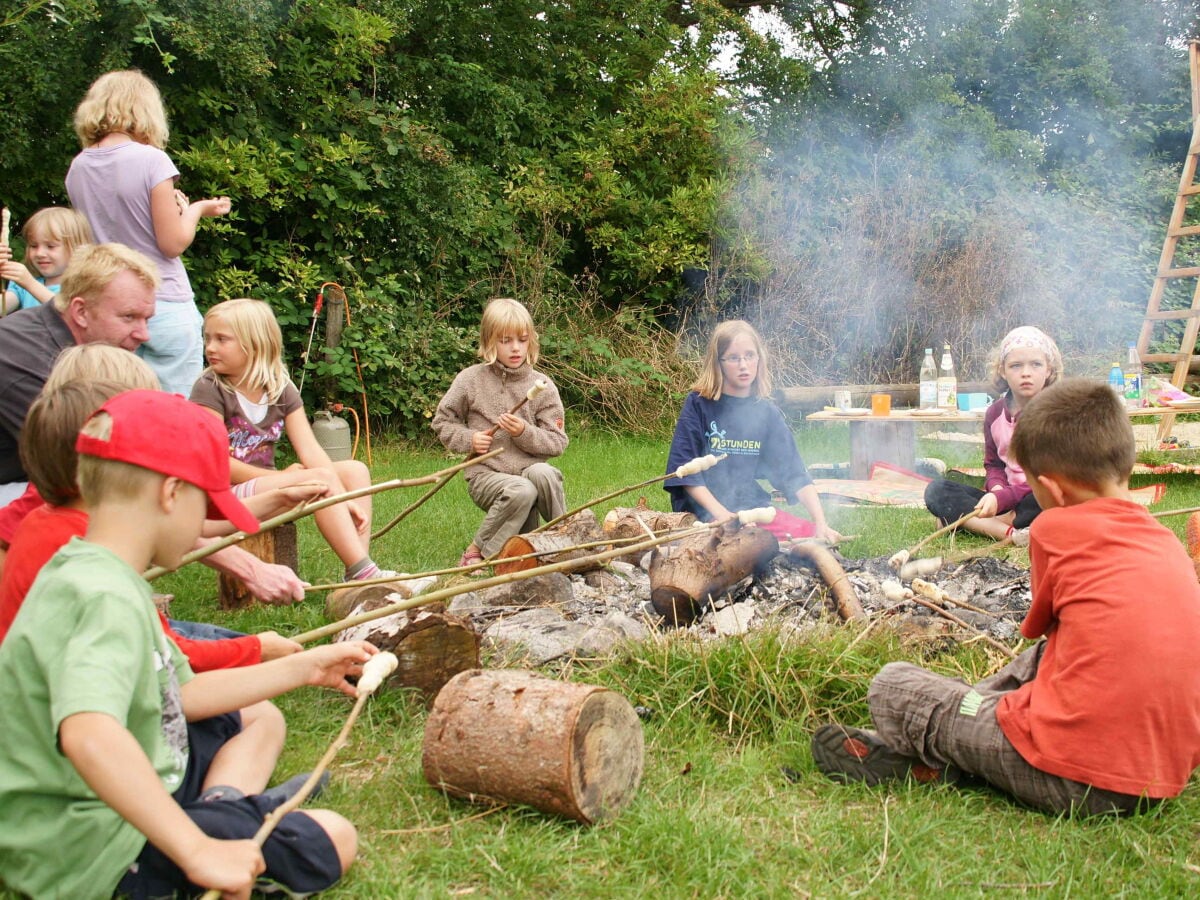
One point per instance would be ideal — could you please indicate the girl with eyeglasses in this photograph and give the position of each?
(729, 411)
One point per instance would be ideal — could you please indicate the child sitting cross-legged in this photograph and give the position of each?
(1101, 717)
(109, 736)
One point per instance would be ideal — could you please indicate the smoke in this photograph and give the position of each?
(968, 167)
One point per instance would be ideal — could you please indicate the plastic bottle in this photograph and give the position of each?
(1116, 380)
(929, 374)
(1133, 379)
(947, 384)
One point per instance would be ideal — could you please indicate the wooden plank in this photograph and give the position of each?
(1185, 231)
(1168, 314)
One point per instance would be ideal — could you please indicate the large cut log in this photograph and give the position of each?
(845, 597)
(628, 522)
(551, 546)
(275, 546)
(573, 750)
(431, 646)
(701, 568)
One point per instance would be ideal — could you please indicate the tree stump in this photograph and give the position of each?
(552, 545)
(275, 546)
(702, 567)
(431, 646)
(573, 750)
(627, 522)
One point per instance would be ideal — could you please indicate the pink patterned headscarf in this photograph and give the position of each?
(1029, 336)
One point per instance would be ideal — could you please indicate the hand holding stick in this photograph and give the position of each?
(538, 387)
(691, 467)
(374, 671)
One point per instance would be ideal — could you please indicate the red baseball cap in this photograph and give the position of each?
(167, 434)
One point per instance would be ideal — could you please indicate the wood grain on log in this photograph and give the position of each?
(275, 546)
(701, 568)
(574, 750)
(552, 545)
(845, 597)
(628, 522)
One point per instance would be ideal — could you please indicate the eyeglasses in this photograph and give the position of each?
(749, 359)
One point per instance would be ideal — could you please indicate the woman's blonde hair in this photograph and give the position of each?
(256, 330)
(125, 101)
(100, 362)
(57, 223)
(505, 316)
(1026, 336)
(712, 380)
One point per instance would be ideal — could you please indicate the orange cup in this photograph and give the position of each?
(881, 404)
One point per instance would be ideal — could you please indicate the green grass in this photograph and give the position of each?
(715, 815)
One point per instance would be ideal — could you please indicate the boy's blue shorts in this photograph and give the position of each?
(298, 852)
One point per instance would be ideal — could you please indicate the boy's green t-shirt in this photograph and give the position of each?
(87, 639)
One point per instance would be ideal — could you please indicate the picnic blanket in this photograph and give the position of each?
(893, 486)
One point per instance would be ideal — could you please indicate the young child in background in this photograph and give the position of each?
(125, 184)
(247, 386)
(101, 789)
(729, 411)
(51, 235)
(518, 486)
(1103, 716)
(1026, 361)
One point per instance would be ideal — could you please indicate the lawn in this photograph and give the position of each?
(730, 804)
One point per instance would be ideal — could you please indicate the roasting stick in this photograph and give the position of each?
(462, 570)
(900, 558)
(691, 467)
(307, 509)
(5, 218)
(375, 670)
(538, 387)
(1175, 512)
(568, 565)
(945, 614)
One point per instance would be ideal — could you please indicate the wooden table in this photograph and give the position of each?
(891, 439)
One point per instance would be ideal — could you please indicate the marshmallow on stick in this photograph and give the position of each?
(697, 465)
(5, 218)
(538, 387)
(763, 515)
(375, 670)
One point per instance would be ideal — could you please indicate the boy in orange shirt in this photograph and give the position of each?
(1103, 716)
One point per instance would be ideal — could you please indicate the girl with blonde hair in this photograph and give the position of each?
(729, 411)
(51, 236)
(1025, 363)
(125, 184)
(247, 385)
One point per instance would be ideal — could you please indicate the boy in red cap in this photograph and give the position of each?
(108, 734)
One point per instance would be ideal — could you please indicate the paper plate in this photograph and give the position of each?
(1189, 403)
(923, 413)
(857, 411)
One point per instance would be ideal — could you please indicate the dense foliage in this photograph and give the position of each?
(860, 178)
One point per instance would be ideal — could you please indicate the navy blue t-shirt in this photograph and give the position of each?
(759, 444)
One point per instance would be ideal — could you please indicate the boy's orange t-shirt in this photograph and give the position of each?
(1116, 700)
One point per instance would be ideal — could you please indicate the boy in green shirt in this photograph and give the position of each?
(108, 734)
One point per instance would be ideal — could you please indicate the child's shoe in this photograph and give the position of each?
(273, 888)
(854, 754)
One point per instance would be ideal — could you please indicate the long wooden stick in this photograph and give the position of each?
(375, 670)
(308, 509)
(899, 559)
(445, 593)
(462, 570)
(692, 467)
(945, 614)
(537, 388)
(407, 511)
(1175, 512)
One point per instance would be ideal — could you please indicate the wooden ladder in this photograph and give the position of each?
(1168, 272)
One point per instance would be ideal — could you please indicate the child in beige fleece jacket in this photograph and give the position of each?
(518, 486)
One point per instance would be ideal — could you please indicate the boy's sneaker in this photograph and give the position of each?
(284, 792)
(854, 754)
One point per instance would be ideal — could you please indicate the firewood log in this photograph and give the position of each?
(573, 750)
(431, 646)
(553, 545)
(628, 522)
(845, 597)
(275, 546)
(703, 567)
(339, 603)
